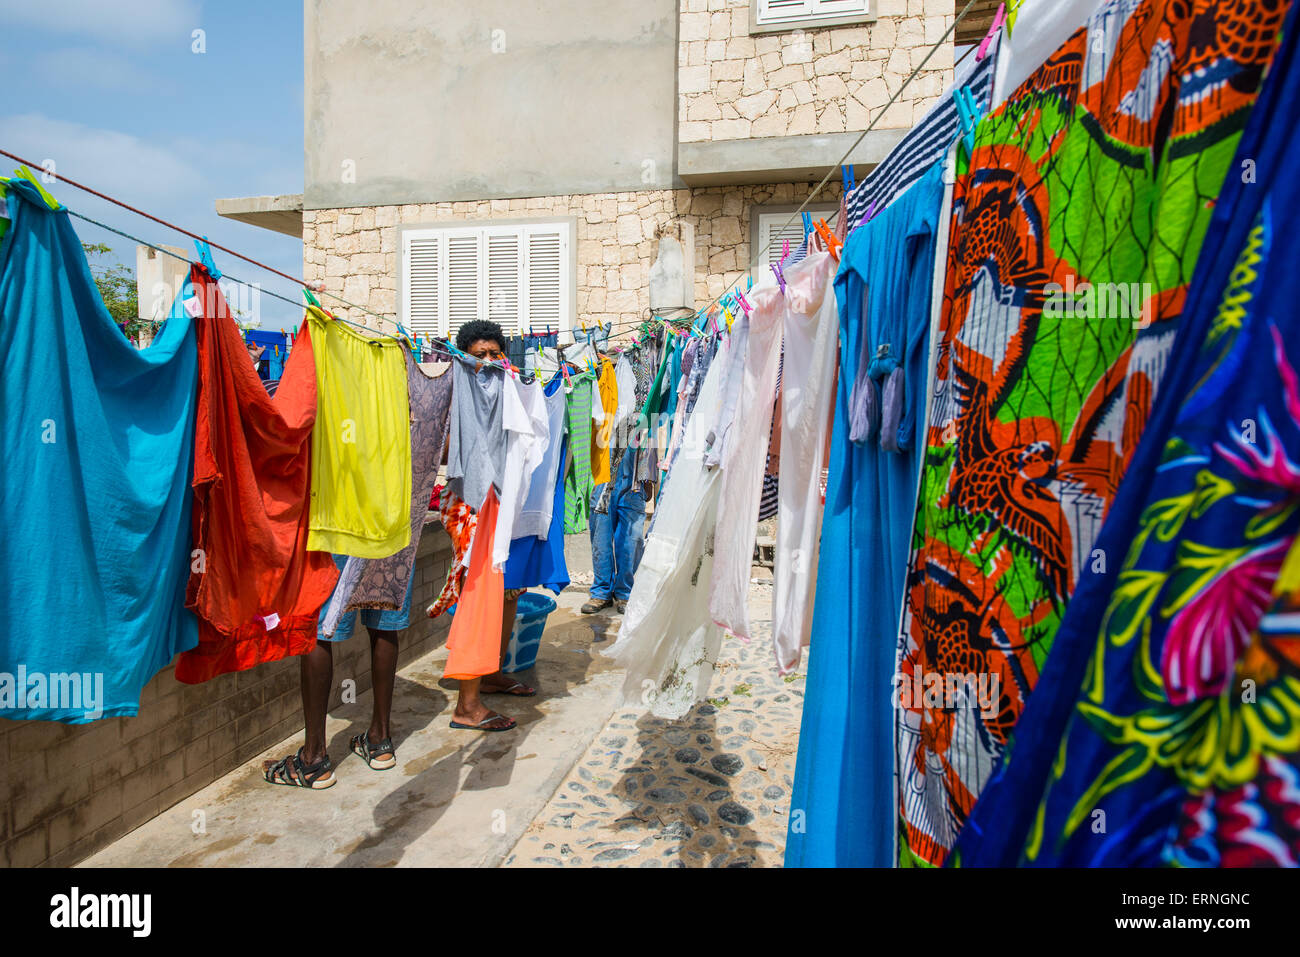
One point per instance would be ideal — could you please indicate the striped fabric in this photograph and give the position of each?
(768, 502)
(926, 143)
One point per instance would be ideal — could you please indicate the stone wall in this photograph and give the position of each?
(355, 251)
(732, 85)
(67, 790)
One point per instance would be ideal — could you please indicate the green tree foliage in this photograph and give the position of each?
(117, 288)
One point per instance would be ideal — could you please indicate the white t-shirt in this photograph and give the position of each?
(528, 430)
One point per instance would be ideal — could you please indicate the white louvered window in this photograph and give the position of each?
(773, 231)
(518, 276)
(797, 11)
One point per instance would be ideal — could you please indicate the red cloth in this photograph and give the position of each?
(252, 479)
(474, 643)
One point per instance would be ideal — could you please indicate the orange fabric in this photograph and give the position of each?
(474, 643)
(252, 465)
(607, 396)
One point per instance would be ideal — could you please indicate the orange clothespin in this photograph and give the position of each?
(832, 241)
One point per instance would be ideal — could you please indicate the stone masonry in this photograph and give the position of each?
(732, 85)
(355, 251)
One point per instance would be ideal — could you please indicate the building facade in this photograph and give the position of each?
(518, 160)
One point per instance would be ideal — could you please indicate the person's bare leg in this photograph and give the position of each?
(383, 675)
(316, 675)
(497, 681)
(470, 708)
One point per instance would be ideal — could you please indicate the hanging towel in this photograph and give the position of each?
(255, 589)
(361, 446)
(474, 642)
(577, 482)
(811, 324)
(742, 466)
(97, 446)
(382, 582)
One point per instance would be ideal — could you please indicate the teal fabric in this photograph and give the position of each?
(97, 446)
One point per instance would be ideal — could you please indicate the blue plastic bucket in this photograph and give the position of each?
(526, 636)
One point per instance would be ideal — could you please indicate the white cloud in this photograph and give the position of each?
(118, 164)
(133, 22)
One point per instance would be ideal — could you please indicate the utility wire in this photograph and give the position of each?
(754, 263)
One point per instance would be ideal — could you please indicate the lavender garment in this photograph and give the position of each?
(381, 582)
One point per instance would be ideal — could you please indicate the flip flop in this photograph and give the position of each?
(480, 726)
(511, 691)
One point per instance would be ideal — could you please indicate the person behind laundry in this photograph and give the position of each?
(475, 457)
(618, 506)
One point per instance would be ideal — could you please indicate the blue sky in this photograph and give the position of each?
(115, 95)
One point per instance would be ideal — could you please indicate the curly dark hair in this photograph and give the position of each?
(477, 329)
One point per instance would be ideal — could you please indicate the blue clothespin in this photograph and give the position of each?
(205, 258)
(749, 283)
(850, 180)
(807, 225)
(968, 113)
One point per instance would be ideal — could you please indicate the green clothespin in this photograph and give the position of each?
(311, 298)
(24, 173)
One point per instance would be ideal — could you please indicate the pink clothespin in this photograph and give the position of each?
(988, 37)
(744, 303)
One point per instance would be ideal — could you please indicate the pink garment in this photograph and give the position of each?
(743, 458)
(812, 329)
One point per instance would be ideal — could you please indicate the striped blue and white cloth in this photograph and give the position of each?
(926, 143)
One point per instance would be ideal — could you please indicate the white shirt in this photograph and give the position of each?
(528, 430)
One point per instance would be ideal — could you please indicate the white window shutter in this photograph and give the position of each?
(547, 291)
(465, 292)
(772, 11)
(782, 11)
(505, 272)
(423, 284)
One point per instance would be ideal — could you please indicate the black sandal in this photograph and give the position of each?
(369, 752)
(293, 772)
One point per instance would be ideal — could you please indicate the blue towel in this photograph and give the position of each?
(97, 446)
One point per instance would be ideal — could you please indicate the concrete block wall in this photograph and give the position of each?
(807, 79)
(355, 251)
(68, 790)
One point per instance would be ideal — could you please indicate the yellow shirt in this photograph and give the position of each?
(600, 439)
(361, 443)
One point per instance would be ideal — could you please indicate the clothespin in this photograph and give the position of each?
(807, 225)
(847, 175)
(744, 303)
(205, 258)
(988, 37)
(829, 238)
(24, 173)
(776, 271)
(968, 113)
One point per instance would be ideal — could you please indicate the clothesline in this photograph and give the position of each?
(194, 236)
